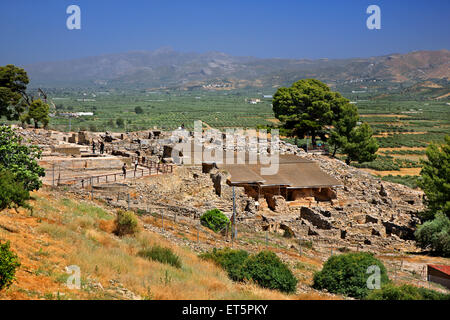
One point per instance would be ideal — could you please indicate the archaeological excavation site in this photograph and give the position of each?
(233, 158)
(311, 196)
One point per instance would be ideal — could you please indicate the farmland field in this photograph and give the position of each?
(403, 128)
(163, 110)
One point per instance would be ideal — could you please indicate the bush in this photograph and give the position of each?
(126, 223)
(160, 254)
(11, 191)
(20, 159)
(214, 220)
(120, 122)
(267, 270)
(138, 110)
(347, 274)
(435, 235)
(406, 292)
(230, 260)
(9, 262)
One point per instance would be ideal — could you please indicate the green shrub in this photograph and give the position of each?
(126, 223)
(9, 262)
(230, 260)
(214, 220)
(12, 193)
(406, 292)
(160, 254)
(264, 268)
(138, 110)
(347, 274)
(20, 159)
(435, 235)
(267, 270)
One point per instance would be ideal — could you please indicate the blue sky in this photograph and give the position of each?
(35, 30)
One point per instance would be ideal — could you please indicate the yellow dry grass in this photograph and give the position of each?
(65, 232)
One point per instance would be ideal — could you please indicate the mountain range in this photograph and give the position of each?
(166, 68)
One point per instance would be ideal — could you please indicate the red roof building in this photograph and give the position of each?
(439, 274)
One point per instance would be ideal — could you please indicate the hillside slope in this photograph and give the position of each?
(64, 231)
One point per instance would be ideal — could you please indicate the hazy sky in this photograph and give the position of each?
(35, 30)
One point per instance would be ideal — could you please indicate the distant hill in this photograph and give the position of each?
(166, 68)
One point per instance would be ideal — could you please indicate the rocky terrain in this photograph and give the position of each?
(367, 213)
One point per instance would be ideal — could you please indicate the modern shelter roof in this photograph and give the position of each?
(293, 172)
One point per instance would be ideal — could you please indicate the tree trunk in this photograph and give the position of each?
(348, 160)
(36, 125)
(313, 140)
(334, 151)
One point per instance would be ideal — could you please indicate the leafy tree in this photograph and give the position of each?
(345, 120)
(360, 145)
(307, 107)
(435, 179)
(38, 112)
(12, 193)
(310, 107)
(20, 159)
(13, 99)
(120, 122)
(435, 234)
(138, 110)
(347, 274)
(9, 262)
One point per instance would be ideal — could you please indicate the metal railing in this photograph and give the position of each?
(105, 178)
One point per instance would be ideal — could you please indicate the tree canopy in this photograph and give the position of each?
(307, 107)
(310, 107)
(435, 178)
(20, 159)
(38, 112)
(13, 99)
(434, 233)
(359, 145)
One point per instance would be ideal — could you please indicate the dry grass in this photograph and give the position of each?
(65, 232)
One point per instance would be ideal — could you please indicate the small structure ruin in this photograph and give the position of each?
(297, 182)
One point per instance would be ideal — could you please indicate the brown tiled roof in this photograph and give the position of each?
(292, 173)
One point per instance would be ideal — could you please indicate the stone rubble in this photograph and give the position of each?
(367, 212)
